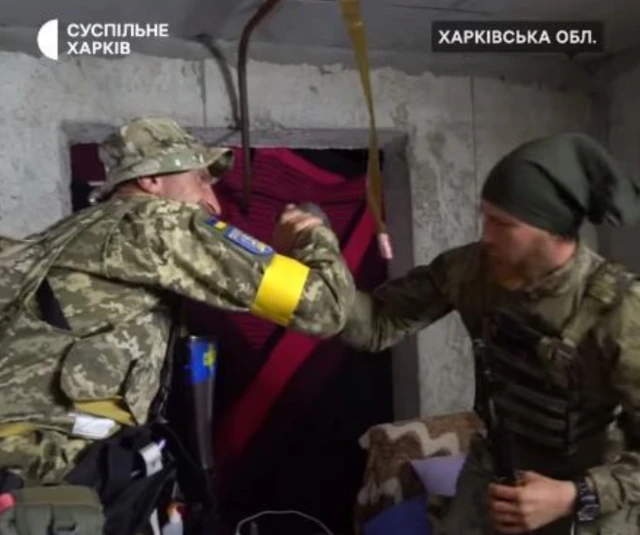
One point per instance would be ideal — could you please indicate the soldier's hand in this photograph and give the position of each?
(535, 502)
(291, 225)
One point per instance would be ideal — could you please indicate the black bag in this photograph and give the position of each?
(117, 471)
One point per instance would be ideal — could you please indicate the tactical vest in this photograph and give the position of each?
(550, 389)
(50, 377)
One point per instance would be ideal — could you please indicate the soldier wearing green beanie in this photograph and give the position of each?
(556, 326)
(558, 182)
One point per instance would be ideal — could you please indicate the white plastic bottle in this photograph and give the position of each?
(174, 524)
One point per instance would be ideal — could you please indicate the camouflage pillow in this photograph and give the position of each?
(389, 477)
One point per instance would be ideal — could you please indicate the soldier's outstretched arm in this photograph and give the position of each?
(617, 484)
(185, 251)
(405, 305)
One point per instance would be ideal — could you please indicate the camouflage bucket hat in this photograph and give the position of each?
(152, 146)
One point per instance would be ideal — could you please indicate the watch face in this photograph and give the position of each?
(588, 513)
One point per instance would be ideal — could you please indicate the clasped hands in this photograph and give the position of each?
(291, 224)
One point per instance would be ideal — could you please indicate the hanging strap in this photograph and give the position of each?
(352, 16)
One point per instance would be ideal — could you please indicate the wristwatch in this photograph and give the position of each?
(587, 507)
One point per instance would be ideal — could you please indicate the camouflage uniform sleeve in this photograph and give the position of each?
(403, 306)
(7, 242)
(617, 484)
(189, 253)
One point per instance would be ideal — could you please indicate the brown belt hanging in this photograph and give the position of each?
(352, 16)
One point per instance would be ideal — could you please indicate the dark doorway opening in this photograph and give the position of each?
(289, 409)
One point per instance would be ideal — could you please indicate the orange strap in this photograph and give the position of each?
(352, 16)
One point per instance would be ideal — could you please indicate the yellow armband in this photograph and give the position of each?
(280, 290)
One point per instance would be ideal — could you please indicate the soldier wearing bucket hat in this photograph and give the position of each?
(153, 234)
(152, 147)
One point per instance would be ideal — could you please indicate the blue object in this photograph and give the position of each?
(406, 518)
(249, 243)
(439, 475)
(202, 358)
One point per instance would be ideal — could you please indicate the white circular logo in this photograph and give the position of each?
(48, 39)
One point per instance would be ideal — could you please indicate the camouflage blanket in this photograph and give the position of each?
(389, 478)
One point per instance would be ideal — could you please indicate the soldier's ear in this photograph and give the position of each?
(150, 184)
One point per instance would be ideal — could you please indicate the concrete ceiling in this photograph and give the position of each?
(404, 25)
(396, 27)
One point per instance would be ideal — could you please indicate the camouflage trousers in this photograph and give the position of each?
(40, 457)
(468, 510)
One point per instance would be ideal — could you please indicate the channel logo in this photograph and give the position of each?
(100, 39)
(48, 39)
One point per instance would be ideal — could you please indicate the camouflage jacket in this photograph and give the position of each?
(114, 268)
(456, 281)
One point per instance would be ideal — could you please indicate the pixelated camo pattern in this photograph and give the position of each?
(43, 369)
(152, 146)
(114, 268)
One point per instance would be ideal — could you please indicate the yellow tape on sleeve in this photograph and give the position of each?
(280, 290)
(107, 408)
(112, 409)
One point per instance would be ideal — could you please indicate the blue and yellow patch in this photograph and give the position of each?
(216, 223)
(203, 359)
(242, 239)
(249, 243)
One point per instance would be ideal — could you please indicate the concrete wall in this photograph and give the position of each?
(624, 142)
(456, 128)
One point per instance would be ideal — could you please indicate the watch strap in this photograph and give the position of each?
(587, 506)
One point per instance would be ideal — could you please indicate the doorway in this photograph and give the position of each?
(289, 409)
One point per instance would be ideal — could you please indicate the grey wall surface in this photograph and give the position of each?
(623, 245)
(456, 128)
